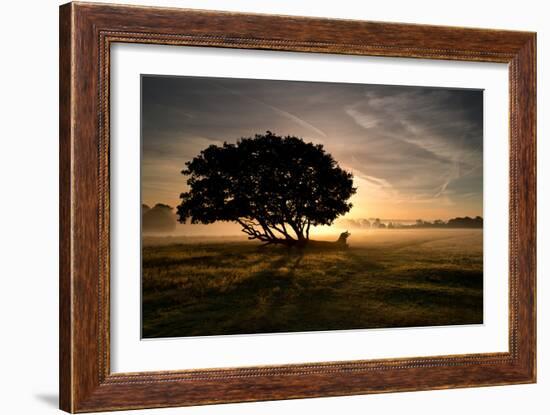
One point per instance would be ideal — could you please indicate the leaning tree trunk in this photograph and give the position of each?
(274, 233)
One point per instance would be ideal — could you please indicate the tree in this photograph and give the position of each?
(466, 222)
(275, 187)
(160, 218)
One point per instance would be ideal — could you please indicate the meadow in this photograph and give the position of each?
(386, 278)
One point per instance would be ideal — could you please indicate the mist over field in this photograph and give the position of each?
(359, 237)
(361, 228)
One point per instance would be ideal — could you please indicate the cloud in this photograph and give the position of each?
(431, 138)
(288, 115)
(364, 120)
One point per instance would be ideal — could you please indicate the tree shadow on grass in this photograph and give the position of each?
(279, 272)
(287, 266)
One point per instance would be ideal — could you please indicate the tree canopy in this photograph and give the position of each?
(275, 187)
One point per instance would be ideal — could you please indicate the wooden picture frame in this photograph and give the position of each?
(86, 33)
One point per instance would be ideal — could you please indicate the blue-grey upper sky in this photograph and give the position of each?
(415, 152)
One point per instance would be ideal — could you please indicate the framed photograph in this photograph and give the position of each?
(258, 207)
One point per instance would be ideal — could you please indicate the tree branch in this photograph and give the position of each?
(282, 230)
(248, 228)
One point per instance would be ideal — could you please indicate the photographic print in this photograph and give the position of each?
(272, 206)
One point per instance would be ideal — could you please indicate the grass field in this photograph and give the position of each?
(386, 278)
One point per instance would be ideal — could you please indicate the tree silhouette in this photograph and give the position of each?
(275, 187)
(160, 218)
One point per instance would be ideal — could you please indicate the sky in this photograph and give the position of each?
(415, 152)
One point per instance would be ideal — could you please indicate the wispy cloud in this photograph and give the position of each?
(422, 124)
(288, 115)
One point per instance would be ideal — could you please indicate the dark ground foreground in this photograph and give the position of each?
(387, 278)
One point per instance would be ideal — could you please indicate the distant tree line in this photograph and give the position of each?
(159, 218)
(464, 222)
